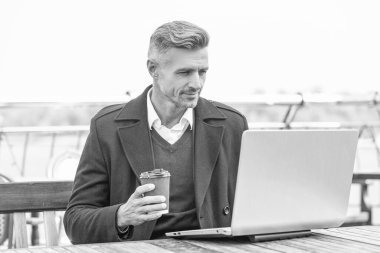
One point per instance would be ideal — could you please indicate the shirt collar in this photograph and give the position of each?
(152, 114)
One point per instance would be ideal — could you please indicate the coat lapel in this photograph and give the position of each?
(134, 134)
(135, 140)
(207, 141)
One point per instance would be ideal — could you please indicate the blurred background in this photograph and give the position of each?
(284, 64)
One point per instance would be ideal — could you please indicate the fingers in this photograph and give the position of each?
(142, 189)
(149, 204)
(152, 208)
(147, 200)
(138, 209)
(152, 216)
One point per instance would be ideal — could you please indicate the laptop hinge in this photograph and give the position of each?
(278, 236)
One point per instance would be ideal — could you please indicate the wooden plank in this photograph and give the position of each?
(21, 251)
(130, 248)
(371, 229)
(334, 245)
(61, 250)
(306, 245)
(230, 246)
(345, 234)
(348, 245)
(143, 246)
(275, 245)
(180, 246)
(19, 230)
(85, 248)
(357, 231)
(103, 248)
(218, 246)
(311, 243)
(365, 233)
(34, 196)
(49, 250)
(51, 232)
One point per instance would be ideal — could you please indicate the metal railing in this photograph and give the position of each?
(293, 103)
(53, 131)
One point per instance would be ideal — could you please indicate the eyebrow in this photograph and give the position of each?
(191, 69)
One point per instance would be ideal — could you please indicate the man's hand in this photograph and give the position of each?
(139, 209)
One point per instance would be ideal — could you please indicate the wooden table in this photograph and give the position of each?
(347, 239)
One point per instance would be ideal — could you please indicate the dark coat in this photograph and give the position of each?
(118, 150)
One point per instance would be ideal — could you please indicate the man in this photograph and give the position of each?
(168, 126)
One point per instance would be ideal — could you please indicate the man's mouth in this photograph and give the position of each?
(192, 94)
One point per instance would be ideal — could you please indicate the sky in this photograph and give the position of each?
(76, 49)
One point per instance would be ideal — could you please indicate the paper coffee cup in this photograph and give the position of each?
(161, 179)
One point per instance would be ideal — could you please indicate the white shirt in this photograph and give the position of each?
(173, 134)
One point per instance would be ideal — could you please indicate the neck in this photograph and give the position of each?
(167, 111)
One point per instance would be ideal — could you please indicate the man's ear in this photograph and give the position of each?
(152, 68)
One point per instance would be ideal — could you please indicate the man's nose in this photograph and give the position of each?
(196, 81)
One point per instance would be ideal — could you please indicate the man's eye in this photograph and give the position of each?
(184, 72)
(202, 72)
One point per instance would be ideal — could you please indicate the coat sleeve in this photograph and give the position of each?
(89, 218)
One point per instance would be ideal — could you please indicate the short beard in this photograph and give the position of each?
(186, 104)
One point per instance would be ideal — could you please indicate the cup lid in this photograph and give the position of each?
(155, 173)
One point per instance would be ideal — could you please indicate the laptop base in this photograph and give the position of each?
(278, 236)
(202, 233)
(215, 233)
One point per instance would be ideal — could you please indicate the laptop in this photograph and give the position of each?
(289, 182)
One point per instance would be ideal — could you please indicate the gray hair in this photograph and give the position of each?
(177, 34)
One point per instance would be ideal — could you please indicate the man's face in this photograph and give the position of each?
(181, 76)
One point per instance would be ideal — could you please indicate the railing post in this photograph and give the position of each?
(35, 235)
(52, 146)
(26, 143)
(78, 140)
(10, 147)
(376, 103)
(364, 206)
(291, 112)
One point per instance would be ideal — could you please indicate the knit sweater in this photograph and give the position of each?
(178, 160)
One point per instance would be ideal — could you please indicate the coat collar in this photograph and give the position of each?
(136, 109)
